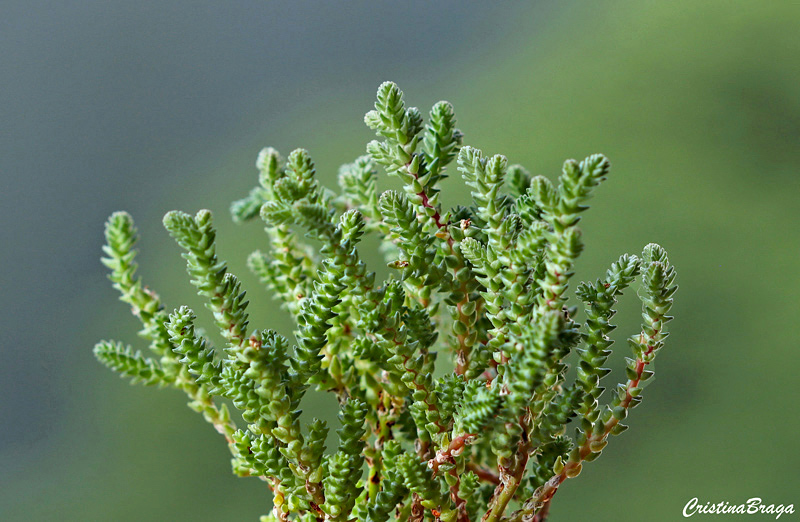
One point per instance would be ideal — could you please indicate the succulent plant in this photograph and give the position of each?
(483, 286)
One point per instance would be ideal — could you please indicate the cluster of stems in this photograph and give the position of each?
(450, 373)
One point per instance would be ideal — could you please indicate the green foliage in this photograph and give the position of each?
(486, 285)
(124, 361)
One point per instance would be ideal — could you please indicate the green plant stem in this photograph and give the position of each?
(545, 493)
(498, 506)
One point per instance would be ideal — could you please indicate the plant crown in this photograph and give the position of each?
(484, 285)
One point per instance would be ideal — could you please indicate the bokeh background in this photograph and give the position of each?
(153, 105)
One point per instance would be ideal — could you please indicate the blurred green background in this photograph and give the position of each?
(150, 106)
